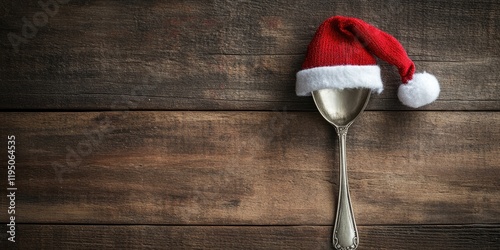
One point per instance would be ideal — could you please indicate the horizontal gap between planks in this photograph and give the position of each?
(219, 110)
(471, 225)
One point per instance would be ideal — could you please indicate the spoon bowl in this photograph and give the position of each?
(341, 108)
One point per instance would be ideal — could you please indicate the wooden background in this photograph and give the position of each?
(174, 125)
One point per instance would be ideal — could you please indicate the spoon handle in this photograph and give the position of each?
(345, 233)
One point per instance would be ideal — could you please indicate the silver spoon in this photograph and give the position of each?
(340, 108)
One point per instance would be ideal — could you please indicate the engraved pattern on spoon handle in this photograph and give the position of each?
(345, 232)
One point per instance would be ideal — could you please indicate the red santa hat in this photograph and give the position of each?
(342, 55)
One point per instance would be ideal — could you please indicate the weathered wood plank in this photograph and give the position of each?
(223, 55)
(264, 168)
(249, 237)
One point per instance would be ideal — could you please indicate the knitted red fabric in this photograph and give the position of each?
(351, 41)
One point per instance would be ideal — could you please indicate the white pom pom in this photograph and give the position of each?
(421, 90)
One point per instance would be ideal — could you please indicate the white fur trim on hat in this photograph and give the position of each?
(338, 77)
(421, 90)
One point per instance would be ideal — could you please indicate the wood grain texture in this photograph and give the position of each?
(253, 168)
(214, 154)
(250, 237)
(230, 55)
